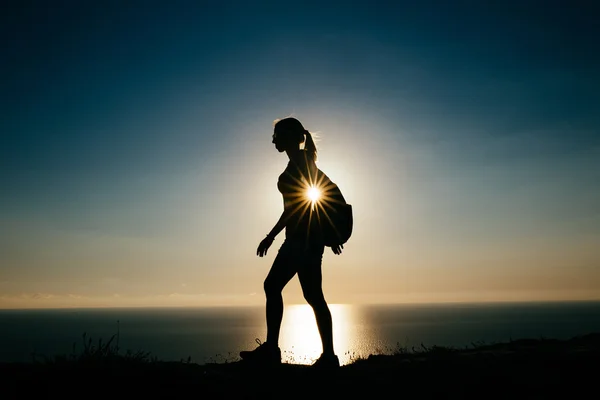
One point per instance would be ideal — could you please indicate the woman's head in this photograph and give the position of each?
(288, 134)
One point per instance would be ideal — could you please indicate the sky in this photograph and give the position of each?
(137, 169)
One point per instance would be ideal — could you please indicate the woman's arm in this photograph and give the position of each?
(285, 215)
(266, 242)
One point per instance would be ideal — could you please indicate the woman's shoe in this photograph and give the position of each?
(263, 354)
(327, 361)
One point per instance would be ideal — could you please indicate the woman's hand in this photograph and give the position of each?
(264, 246)
(337, 249)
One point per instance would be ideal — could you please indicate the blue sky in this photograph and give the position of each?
(137, 167)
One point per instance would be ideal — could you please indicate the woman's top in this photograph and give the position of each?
(293, 183)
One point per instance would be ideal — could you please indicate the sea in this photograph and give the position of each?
(207, 335)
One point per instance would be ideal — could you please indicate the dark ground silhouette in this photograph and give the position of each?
(527, 368)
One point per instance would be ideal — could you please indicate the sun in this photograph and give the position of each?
(313, 193)
(313, 196)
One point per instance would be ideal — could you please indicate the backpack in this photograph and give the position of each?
(334, 215)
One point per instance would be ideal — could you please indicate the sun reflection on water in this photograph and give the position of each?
(300, 342)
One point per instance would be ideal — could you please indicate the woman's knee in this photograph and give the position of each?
(315, 298)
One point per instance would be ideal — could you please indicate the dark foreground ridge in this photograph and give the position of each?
(526, 368)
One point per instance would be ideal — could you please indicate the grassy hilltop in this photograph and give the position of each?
(526, 368)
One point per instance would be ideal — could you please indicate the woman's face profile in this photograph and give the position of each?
(278, 142)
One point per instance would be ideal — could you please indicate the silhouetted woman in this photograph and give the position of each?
(302, 250)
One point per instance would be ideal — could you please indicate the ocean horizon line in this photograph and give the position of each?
(365, 304)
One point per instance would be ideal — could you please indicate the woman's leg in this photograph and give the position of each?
(282, 271)
(311, 281)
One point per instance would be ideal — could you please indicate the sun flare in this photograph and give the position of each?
(314, 193)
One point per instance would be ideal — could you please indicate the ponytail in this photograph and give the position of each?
(309, 146)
